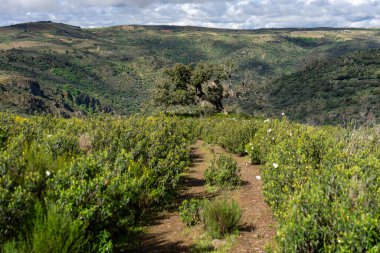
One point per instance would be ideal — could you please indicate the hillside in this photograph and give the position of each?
(117, 67)
(339, 90)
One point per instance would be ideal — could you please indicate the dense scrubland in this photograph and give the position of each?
(82, 185)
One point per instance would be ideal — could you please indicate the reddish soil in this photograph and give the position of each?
(258, 227)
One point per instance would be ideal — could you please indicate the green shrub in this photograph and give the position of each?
(52, 232)
(336, 211)
(232, 133)
(221, 217)
(13, 247)
(133, 163)
(56, 232)
(189, 211)
(322, 183)
(223, 171)
(105, 242)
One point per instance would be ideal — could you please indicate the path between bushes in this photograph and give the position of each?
(258, 227)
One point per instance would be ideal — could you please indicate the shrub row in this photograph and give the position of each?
(231, 133)
(104, 172)
(323, 183)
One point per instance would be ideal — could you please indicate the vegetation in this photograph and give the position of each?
(221, 217)
(133, 165)
(190, 211)
(198, 86)
(105, 174)
(223, 172)
(87, 184)
(115, 70)
(55, 231)
(322, 183)
(343, 90)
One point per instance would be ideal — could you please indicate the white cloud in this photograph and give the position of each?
(215, 13)
(27, 5)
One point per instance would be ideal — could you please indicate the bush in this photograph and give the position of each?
(189, 211)
(336, 211)
(230, 133)
(322, 183)
(223, 171)
(221, 217)
(106, 170)
(105, 242)
(56, 232)
(53, 232)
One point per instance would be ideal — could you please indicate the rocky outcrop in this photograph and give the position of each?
(26, 95)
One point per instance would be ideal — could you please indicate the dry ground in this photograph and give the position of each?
(258, 227)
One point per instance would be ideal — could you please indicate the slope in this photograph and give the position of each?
(338, 90)
(118, 66)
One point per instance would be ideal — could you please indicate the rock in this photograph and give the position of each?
(218, 244)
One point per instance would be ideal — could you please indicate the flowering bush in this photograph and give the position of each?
(322, 184)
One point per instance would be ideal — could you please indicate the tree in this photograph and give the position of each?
(187, 85)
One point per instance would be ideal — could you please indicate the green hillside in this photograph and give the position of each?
(81, 71)
(340, 90)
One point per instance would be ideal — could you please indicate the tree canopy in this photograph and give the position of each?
(197, 86)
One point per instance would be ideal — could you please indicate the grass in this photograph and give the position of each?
(53, 232)
(204, 244)
(221, 217)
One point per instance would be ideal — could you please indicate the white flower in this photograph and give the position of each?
(269, 130)
(283, 114)
(275, 165)
(267, 120)
(47, 173)
(258, 177)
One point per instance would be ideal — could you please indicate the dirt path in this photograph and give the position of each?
(258, 226)
(169, 234)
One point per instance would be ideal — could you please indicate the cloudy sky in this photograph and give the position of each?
(211, 13)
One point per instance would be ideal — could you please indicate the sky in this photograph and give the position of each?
(236, 14)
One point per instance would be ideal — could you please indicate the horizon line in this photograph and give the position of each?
(194, 26)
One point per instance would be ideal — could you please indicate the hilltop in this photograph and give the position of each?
(117, 67)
